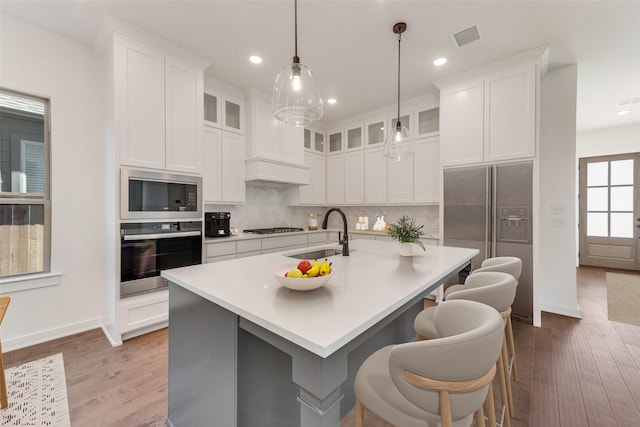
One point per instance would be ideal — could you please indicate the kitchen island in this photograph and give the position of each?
(245, 351)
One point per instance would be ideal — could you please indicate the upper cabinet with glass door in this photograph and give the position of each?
(223, 111)
(336, 143)
(355, 137)
(314, 140)
(427, 122)
(211, 109)
(232, 114)
(374, 132)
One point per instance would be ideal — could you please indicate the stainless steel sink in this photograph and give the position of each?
(317, 254)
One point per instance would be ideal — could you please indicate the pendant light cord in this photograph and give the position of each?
(296, 59)
(398, 124)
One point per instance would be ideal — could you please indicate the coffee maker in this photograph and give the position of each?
(217, 224)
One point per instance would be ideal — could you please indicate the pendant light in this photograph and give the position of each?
(296, 98)
(398, 145)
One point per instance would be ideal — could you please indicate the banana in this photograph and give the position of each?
(314, 270)
(324, 268)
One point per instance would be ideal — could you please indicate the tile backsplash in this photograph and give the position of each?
(266, 206)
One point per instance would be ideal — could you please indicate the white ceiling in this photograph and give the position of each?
(351, 49)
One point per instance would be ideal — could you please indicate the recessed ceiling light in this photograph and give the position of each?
(332, 100)
(623, 112)
(255, 59)
(440, 61)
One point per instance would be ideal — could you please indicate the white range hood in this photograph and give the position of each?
(275, 152)
(276, 171)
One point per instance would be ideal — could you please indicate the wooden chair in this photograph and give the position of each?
(497, 290)
(4, 401)
(440, 381)
(511, 265)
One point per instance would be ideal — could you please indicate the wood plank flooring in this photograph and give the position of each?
(572, 372)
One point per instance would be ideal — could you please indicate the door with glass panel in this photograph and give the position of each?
(610, 211)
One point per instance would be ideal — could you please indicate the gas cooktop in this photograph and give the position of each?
(272, 230)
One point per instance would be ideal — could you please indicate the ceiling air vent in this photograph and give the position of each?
(466, 36)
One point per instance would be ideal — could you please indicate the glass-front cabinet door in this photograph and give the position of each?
(374, 132)
(232, 114)
(307, 139)
(427, 122)
(355, 137)
(318, 142)
(211, 109)
(335, 142)
(313, 140)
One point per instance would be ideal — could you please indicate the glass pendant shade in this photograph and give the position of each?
(296, 99)
(398, 145)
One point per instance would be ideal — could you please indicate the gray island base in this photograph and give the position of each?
(284, 358)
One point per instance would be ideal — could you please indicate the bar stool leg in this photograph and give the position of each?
(491, 407)
(503, 392)
(505, 361)
(512, 349)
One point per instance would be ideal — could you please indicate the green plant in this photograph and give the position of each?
(405, 230)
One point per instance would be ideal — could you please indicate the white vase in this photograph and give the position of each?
(406, 249)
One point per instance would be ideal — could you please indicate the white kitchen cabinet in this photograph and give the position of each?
(335, 179)
(336, 142)
(212, 172)
(139, 96)
(354, 178)
(233, 172)
(462, 119)
(316, 192)
(211, 108)
(355, 137)
(510, 114)
(490, 115)
(374, 132)
(159, 104)
(375, 177)
(427, 122)
(184, 112)
(232, 114)
(283, 243)
(144, 313)
(426, 171)
(314, 140)
(223, 174)
(400, 181)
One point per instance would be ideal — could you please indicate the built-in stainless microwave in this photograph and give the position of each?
(159, 195)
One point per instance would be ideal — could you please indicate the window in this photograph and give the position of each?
(610, 198)
(25, 205)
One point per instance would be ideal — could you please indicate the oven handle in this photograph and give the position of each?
(161, 235)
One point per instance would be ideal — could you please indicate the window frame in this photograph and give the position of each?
(44, 200)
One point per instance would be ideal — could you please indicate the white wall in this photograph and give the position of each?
(555, 274)
(39, 62)
(608, 141)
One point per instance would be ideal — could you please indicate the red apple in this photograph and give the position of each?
(304, 266)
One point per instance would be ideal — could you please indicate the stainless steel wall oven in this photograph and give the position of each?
(148, 248)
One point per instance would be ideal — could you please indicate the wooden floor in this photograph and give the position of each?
(572, 372)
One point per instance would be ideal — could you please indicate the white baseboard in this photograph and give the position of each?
(562, 310)
(112, 339)
(50, 334)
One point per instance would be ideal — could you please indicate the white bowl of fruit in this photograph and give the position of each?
(305, 276)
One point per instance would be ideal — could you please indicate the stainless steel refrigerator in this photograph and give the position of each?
(489, 208)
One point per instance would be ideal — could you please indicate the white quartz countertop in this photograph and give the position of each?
(364, 288)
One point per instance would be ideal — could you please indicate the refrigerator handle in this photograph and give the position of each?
(494, 211)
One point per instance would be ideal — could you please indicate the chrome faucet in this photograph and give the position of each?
(345, 239)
